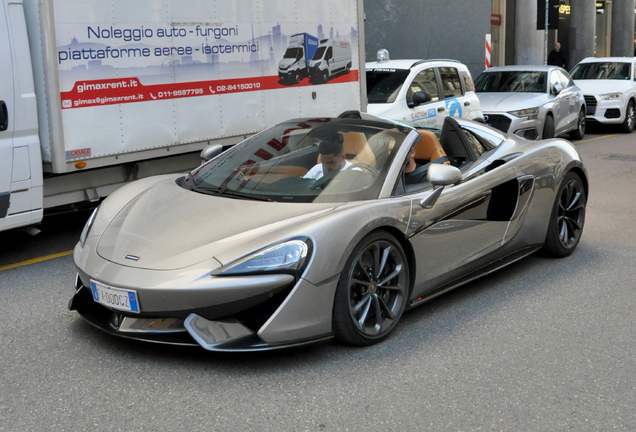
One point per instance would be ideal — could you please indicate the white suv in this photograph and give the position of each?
(425, 91)
(609, 87)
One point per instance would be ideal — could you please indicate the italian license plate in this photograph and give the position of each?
(116, 298)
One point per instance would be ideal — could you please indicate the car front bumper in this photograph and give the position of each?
(191, 307)
(505, 122)
(605, 111)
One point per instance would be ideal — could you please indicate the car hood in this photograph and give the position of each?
(510, 101)
(591, 87)
(168, 227)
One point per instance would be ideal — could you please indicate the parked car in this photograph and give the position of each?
(609, 86)
(533, 102)
(246, 253)
(426, 91)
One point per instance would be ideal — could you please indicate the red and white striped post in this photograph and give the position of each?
(488, 48)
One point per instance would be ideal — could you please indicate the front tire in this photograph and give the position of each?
(567, 218)
(579, 132)
(628, 124)
(548, 127)
(372, 291)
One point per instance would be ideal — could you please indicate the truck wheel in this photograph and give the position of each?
(296, 77)
(628, 124)
(348, 68)
(325, 76)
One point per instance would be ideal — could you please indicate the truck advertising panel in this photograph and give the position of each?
(148, 74)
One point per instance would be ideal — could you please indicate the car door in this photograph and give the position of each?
(573, 97)
(467, 222)
(561, 103)
(6, 115)
(431, 112)
(455, 103)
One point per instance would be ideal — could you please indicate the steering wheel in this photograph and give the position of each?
(365, 167)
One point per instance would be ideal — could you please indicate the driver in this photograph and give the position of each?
(333, 158)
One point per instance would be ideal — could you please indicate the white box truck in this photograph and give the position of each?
(96, 94)
(332, 58)
(293, 67)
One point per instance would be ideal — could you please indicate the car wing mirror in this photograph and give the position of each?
(440, 175)
(557, 89)
(443, 175)
(421, 97)
(211, 151)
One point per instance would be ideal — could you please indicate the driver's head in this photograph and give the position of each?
(332, 154)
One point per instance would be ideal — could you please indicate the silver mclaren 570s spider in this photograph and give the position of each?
(322, 228)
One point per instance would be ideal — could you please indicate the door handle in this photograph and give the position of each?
(4, 116)
(441, 109)
(467, 103)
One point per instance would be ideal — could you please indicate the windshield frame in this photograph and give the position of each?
(275, 164)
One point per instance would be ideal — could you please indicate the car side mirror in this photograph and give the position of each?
(443, 175)
(211, 151)
(557, 89)
(421, 97)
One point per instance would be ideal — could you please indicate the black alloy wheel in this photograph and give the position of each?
(567, 218)
(296, 77)
(373, 290)
(579, 132)
(630, 121)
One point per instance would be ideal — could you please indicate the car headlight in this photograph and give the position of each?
(611, 96)
(317, 64)
(88, 226)
(530, 113)
(290, 256)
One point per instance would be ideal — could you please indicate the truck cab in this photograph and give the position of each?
(20, 158)
(293, 66)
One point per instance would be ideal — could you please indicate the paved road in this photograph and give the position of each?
(541, 345)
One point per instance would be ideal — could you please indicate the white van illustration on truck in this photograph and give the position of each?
(330, 59)
(293, 66)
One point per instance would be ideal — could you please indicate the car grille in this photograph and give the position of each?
(590, 103)
(498, 121)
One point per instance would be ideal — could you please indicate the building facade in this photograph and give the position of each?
(457, 29)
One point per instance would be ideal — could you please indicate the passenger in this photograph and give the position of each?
(412, 175)
(333, 158)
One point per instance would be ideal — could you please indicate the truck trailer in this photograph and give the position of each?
(95, 94)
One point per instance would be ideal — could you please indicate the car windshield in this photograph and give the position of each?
(319, 52)
(512, 81)
(601, 71)
(293, 162)
(292, 53)
(383, 85)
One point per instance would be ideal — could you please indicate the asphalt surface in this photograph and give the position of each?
(542, 345)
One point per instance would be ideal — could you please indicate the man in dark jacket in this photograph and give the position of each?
(557, 57)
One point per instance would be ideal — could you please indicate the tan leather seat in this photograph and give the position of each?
(429, 147)
(357, 149)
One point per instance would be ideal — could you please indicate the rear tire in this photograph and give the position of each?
(628, 124)
(579, 132)
(548, 127)
(567, 218)
(372, 291)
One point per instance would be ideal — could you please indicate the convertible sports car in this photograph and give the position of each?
(248, 253)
